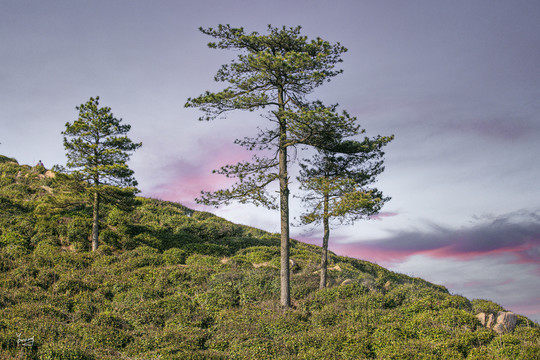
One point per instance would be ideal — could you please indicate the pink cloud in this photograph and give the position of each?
(187, 177)
(357, 250)
(380, 216)
(516, 234)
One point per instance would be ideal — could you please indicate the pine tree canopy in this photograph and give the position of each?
(274, 71)
(98, 148)
(341, 178)
(280, 64)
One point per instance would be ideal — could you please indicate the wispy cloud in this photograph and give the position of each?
(186, 177)
(516, 234)
(383, 214)
(510, 127)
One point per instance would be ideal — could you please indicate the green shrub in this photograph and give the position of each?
(221, 296)
(199, 260)
(205, 249)
(259, 285)
(63, 351)
(78, 233)
(71, 285)
(14, 252)
(319, 299)
(142, 256)
(149, 240)
(108, 319)
(239, 263)
(85, 306)
(4, 159)
(12, 238)
(45, 254)
(528, 334)
(465, 342)
(111, 239)
(485, 306)
(103, 337)
(135, 298)
(202, 215)
(506, 346)
(304, 284)
(47, 278)
(174, 256)
(157, 312)
(260, 254)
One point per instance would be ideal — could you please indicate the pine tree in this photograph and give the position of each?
(336, 184)
(275, 72)
(98, 150)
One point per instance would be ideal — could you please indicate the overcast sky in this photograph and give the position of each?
(456, 82)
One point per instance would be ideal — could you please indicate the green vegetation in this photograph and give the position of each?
(172, 283)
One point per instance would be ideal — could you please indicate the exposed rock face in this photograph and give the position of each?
(48, 174)
(482, 318)
(505, 321)
(47, 189)
(337, 268)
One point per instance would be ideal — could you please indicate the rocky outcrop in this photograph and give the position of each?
(48, 174)
(504, 322)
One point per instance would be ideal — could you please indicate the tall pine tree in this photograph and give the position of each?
(274, 72)
(97, 151)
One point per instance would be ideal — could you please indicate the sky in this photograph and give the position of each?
(456, 82)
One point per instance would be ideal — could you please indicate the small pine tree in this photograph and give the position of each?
(98, 150)
(336, 185)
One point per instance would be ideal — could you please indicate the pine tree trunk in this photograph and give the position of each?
(284, 212)
(95, 224)
(284, 208)
(326, 236)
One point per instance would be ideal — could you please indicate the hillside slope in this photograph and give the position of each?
(173, 283)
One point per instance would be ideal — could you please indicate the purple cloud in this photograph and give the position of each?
(516, 234)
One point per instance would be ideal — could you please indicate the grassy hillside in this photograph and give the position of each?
(173, 283)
